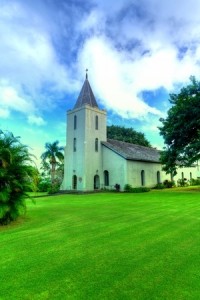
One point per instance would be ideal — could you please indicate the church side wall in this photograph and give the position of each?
(145, 174)
(116, 167)
(187, 173)
(152, 174)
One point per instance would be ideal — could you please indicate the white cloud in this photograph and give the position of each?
(11, 100)
(140, 50)
(29, 61)
(118, 80)
(93, 22)
(36, 120)
(127, 45)
(4, 113)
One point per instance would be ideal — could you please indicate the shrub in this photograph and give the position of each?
(195, 181)
(168, 183)
(54, 188)
(117, 187)
(44, 185)
(129, 189)
(159, 186)
(182, 182)
(140, 190)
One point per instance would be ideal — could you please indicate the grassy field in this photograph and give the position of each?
(104, 246)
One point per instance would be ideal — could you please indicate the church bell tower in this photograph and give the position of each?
(86, 129)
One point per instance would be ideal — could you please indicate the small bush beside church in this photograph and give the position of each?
(168, 183)
(195, 181)
(165, 185)
(183, 182)
(159, 186)
(129, 189)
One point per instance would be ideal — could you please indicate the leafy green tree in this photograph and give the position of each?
(15, 174)
(128, 135)
(181, 128)
(34, 180)
(53, 156)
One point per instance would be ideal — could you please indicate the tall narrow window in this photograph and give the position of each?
(142, 178)
(96, 123)
(75, 122)
(74, 146)
(74, 182)
(190, 175)
(106, 178)
(158, 177)
(96, 145)
(182, 175)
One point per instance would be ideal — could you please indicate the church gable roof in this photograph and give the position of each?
(133, 152)
(86, 96)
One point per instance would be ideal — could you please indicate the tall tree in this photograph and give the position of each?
(181, 128)
(15, 174)
(128, 135)
(54, 155)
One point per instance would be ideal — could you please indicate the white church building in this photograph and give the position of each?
(94, 162)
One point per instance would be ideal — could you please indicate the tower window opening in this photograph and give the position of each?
(96, 123)
(96, 145)
(74, 145)
(75, 122)
(74, 182)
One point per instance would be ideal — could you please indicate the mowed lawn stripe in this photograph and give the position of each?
(104, 246)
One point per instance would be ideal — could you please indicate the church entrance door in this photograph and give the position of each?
(96, 182)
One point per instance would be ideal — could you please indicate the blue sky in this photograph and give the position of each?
(137, 52)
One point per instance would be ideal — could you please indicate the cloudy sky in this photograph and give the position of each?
(137, 52)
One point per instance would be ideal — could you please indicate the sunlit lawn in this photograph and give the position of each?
(104, 246)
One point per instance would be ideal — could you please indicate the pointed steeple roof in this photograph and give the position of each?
(86, 95)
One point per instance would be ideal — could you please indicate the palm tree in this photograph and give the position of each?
(15, 174)
(52, 153)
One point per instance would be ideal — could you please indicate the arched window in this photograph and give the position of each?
(74, 182)
(96, 123)
(142, 178)
(106, 178)
(75, 122)
(96, 145)
(74, 145)
(158, 176)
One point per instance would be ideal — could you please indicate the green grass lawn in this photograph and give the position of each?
(104, 246)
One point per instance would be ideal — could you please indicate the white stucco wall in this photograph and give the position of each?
(85, 162)
(135, 168)
(187, 173)
(198, 169)
(124, 171)
(116, 166)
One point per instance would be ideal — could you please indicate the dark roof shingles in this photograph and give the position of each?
(86, 96)
(133, 152)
